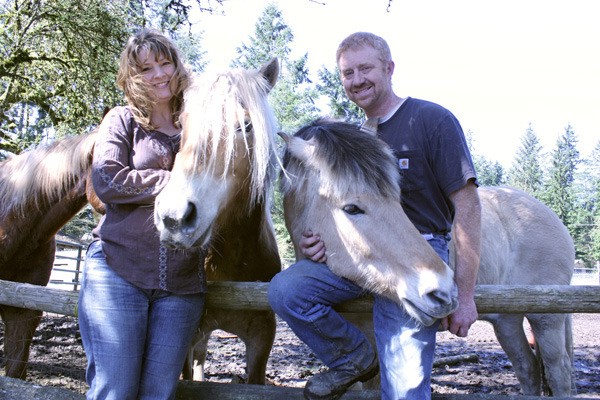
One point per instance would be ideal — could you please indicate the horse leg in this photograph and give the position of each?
(19, 327)
(511, 336)
(193, 367)
(257, 330)
(554, 344)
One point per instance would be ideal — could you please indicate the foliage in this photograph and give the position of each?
(81, 225)
(559, 192)
(526, 170)
(57, 67)
(587, 215)
(292, 98)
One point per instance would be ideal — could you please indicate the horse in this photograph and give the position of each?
(218, 198)
(342, 182)
(40, 191)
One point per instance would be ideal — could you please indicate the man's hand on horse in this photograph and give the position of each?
(312, 247)
(461, 320)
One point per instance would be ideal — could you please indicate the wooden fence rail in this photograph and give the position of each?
(253, 296)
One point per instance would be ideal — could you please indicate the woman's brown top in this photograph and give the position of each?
(131, 166)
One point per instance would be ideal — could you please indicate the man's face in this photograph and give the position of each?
(366, 79)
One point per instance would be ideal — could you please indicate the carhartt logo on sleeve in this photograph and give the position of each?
(403, 163)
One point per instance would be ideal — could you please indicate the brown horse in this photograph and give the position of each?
(218, 198)
(40, 191)
(342, 183)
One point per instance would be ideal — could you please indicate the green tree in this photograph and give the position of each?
(559, 193)
(587, 224)
(292, 98)
(526, 170)
(58, 65)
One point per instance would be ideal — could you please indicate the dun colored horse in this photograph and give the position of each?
(218, 198)
(343, 184)
(40, 191)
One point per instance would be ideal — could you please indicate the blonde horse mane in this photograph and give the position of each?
(43, 174)
(228, 103)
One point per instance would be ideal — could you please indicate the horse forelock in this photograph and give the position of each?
(347, 159)
(216, 108)
(44, 174)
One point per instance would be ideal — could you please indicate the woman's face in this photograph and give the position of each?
(157, 72)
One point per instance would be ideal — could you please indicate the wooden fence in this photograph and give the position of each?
(253, 296)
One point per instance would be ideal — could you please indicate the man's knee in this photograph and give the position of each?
(285, 288)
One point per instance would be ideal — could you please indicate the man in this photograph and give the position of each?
(439, 191)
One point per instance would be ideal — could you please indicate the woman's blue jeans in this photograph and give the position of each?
(135, 340)
(304, 294)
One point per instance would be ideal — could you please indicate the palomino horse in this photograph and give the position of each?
(343, 184)
(218, 198)
(40, 191)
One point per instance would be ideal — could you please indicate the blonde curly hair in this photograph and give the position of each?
(138, 94)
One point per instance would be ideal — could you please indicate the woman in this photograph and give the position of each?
(140, 302)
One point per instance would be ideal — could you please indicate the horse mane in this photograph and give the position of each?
(44, 174)
(234, 101)
(348, 157)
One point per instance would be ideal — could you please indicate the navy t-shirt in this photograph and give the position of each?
(433, 158)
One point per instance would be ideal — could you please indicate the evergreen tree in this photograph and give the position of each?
(292, 98)
(559, 193)
(589, 209)
(526, 170)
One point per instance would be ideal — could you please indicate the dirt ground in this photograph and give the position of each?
(57, 359)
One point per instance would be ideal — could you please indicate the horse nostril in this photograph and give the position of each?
(439, 297)
(189, 217)
(169, 222)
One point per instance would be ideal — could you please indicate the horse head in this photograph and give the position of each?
(227, 156)
(343, 183)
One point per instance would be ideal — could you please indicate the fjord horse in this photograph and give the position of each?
(218, 198)
(40, 191)
(343, 183)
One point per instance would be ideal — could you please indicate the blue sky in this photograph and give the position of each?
(497, 65)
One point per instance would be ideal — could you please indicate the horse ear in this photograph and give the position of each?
(370, 126)
(301, 149)
(271, 71)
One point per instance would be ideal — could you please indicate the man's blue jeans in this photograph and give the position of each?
(304, 294)
(135, 340)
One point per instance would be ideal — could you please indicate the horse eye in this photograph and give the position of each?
(353, 209)
(247, 128)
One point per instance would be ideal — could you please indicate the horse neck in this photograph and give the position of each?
(23, 235)
(244, 248)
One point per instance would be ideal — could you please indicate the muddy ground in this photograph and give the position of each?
(57, 359)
